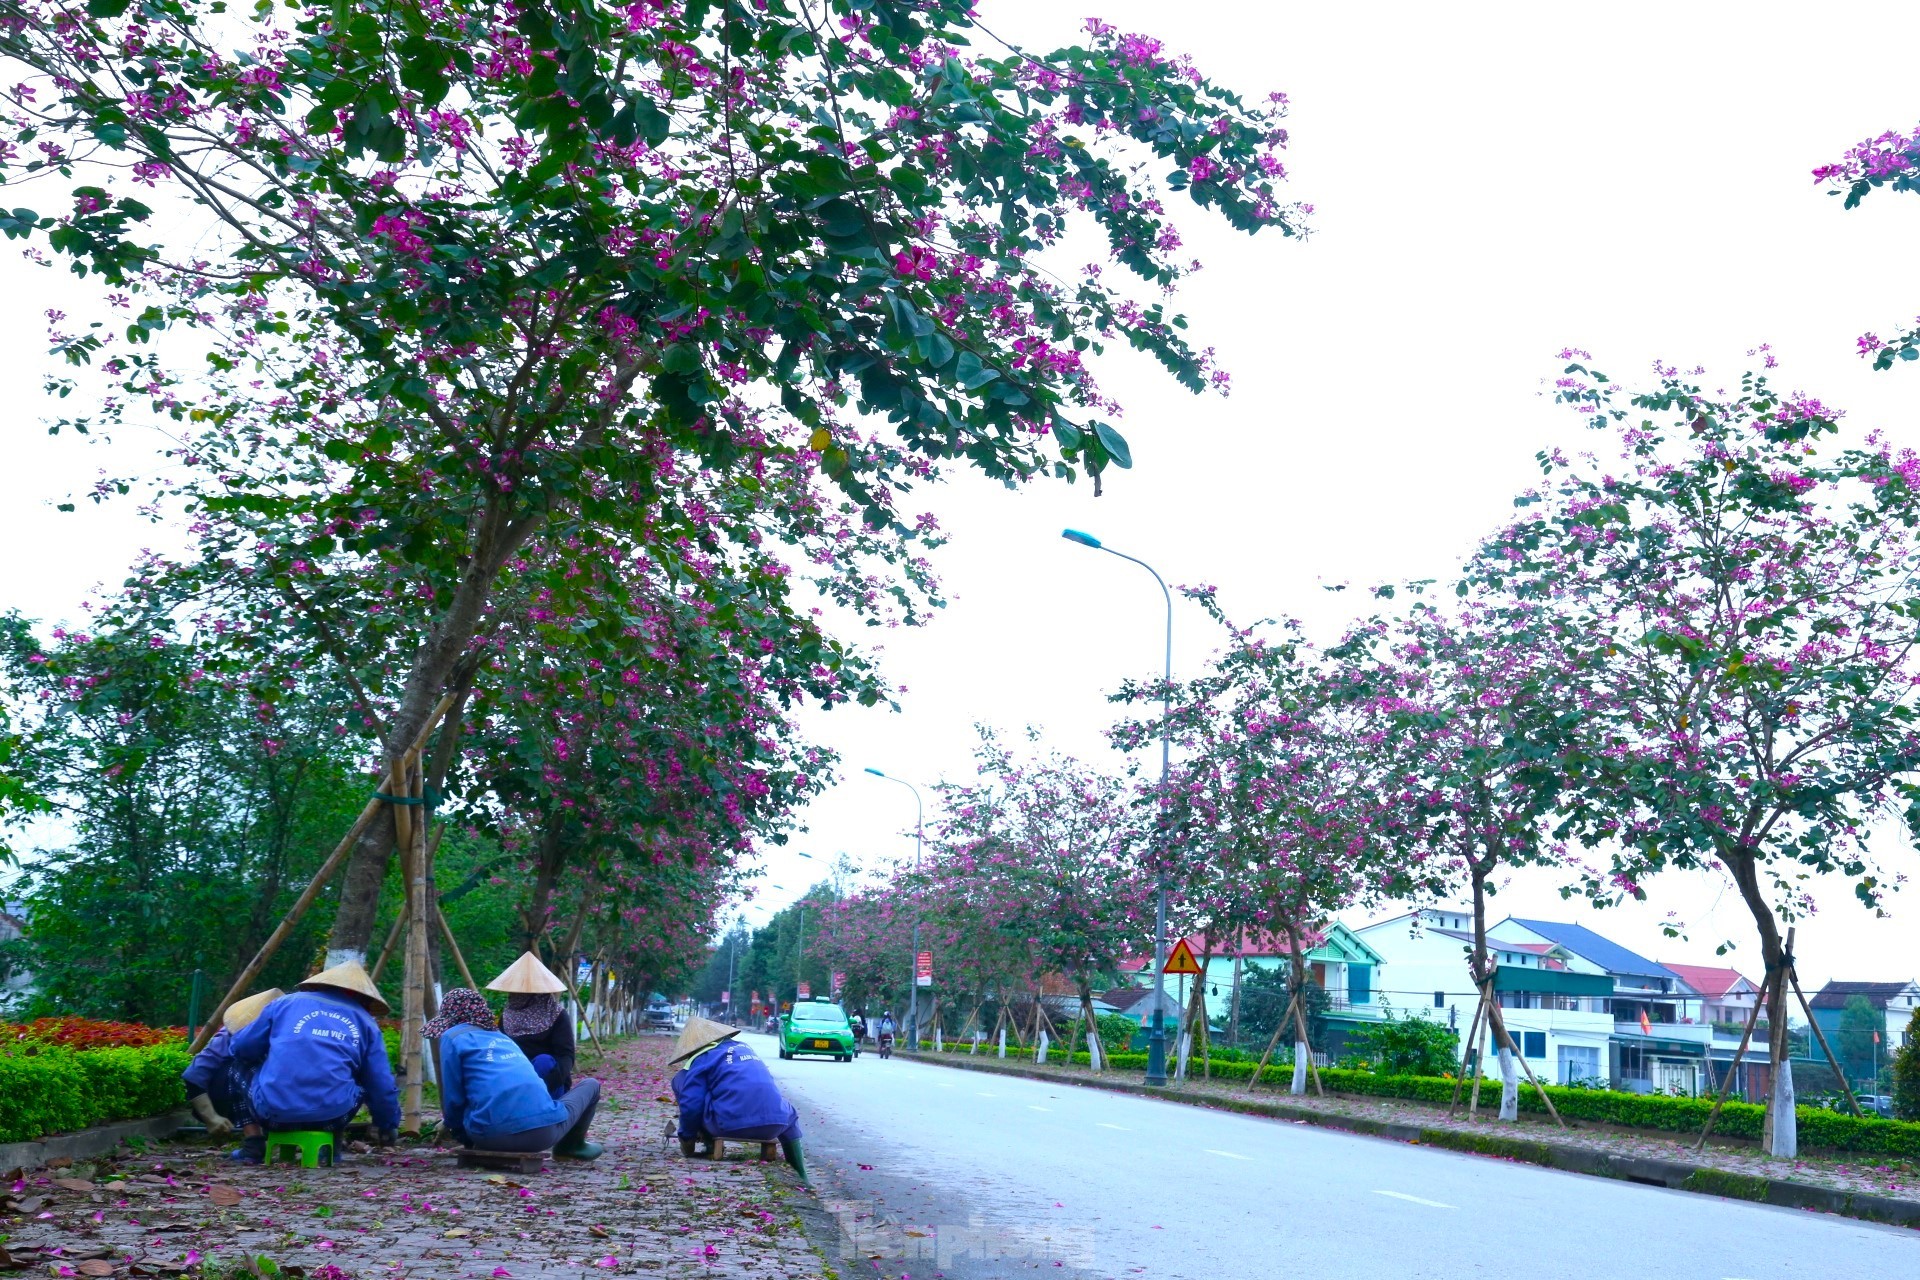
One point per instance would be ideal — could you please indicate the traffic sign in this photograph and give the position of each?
(1180, 960)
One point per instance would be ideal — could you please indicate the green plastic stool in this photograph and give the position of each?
(308, 1143)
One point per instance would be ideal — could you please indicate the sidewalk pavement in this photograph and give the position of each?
(410, 1212)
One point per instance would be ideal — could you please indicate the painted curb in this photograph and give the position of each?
(1675, 1175)
(89, 1142)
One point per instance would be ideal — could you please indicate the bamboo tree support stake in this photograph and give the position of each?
(1273, 1042)
(307, 895)
(1470, 1047)
(446, 931)
(1739, 1058)
(1500, 1028)
(412, 829)
(1300, 1025)
(1479, 1060)
(1793, 977)
(386, 949)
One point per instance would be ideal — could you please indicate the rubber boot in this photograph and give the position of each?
(582, 1150)
(790, 1147)
(252, 1150)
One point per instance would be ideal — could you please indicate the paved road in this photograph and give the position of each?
(971, 1176)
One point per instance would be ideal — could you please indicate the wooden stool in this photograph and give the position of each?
(511, 1161)
(769, 1151)
(306, 1144)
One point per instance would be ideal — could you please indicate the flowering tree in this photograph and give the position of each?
(1466, 735)
(1891, 160)
(1273, 807)
(1050, 847)
(1738, 692)
(641, 281)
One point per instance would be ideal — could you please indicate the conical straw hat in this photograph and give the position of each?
(527, 976)
(698, 1034)
(352, 977)
(241, 1012)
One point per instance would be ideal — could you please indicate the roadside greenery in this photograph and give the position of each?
(48, 1089)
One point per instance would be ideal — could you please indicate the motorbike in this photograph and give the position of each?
(886, 1044)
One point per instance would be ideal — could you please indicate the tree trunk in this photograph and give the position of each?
(1302, 1051)
(1483, 976)
(1095, 1056)
(434, 667)
(1233, 1001)
(1780, 1129)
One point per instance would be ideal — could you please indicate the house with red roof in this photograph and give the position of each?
(1725, 995)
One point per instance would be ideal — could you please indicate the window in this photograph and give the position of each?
(1359, 983)
(1533, 1044)
(1439, 999)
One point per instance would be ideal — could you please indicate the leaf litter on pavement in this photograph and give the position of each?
(183, 1209)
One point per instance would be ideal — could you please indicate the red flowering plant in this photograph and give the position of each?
(87, 1033)
(1732, 598)
(707, 283)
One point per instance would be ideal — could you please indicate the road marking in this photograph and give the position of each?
(1031, 1107)
(1401, 1195)
(986, 1095)
(1122, 1128)
(1228, 1154)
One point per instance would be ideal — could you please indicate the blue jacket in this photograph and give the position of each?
(318, 1055)
(489, 1088)
(726, 1089)
(209, 1065)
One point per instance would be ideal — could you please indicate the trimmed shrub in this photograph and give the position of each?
(1830, 1130)
(1906, 1073)
(54, 1090)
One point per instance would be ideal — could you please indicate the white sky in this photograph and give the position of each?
(1492, 184)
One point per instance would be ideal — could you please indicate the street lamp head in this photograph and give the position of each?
(875, 772)
(1084, 539)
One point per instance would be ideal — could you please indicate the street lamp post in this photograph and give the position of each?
(1157, 1036)
(733, 954)
(913, 960)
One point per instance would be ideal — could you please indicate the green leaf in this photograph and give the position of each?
(1114, 443)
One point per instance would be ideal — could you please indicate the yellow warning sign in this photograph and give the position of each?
(1180, 960)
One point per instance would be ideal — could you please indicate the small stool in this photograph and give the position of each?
(717, 1148)
(307, 1143)
(511, 1161)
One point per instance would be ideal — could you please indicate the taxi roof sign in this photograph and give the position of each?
(1180, 960)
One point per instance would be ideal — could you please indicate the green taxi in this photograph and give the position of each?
(817, 1026)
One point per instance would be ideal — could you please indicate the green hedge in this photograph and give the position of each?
(1819, 1127)
(58, 1090)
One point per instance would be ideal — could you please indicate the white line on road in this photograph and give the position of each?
(1031, 1107)
(986, 1095)
(1401, 1195)
(1122, 1128)
(1228, 1154)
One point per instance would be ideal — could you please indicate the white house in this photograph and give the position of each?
(1558, 1017)
(1659, 1042)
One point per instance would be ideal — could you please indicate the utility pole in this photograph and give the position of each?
(800, 957)
(913, 961)
(1157, 1035)
(733, 955)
